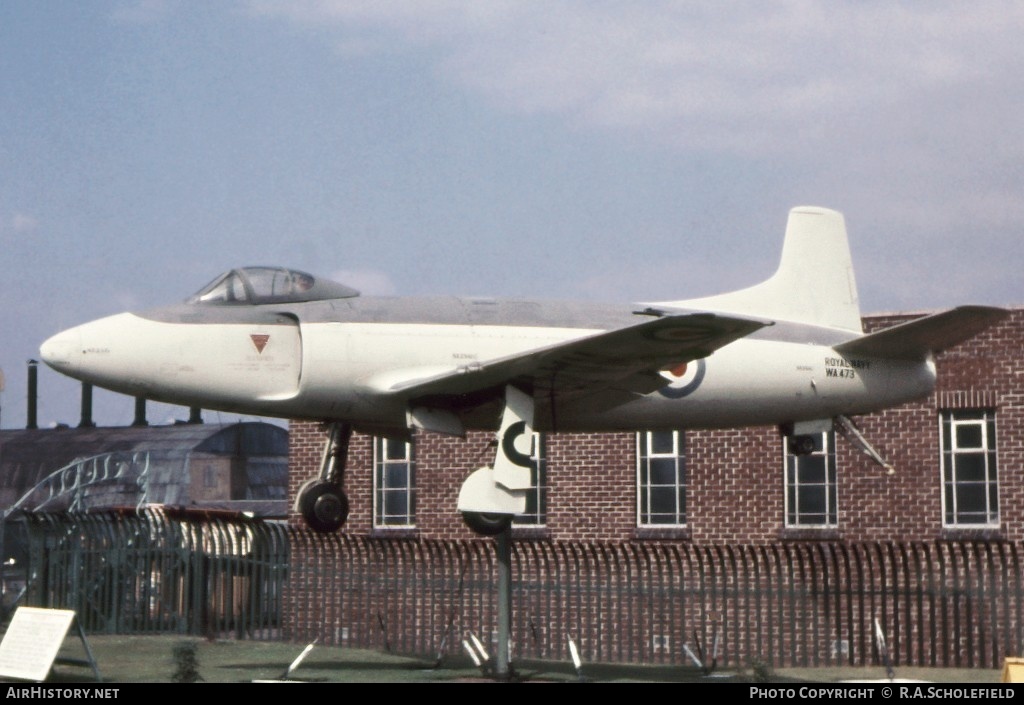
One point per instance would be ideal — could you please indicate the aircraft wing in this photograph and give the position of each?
(624, 359)
(915, 340)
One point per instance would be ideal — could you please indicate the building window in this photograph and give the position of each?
(970, 485)
(537, 497)
(811, 484)
(394, 481)
(661, 478)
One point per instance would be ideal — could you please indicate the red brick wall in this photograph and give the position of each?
(735, 492)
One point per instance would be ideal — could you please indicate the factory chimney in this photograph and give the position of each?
(86, 420)
(33, 391)
(140, 412)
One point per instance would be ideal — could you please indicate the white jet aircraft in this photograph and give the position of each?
(270, 341)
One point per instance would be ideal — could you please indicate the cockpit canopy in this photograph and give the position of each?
(266, 285)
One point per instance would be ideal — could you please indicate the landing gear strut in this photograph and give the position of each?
(853, 434)
(491, 497)
(322, 501)
(494, 494)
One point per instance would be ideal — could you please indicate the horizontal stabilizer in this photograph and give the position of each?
(917, 339)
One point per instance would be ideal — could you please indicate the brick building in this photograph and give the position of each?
(733, 485)
(956, 489)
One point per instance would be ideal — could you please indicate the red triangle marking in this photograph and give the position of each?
(260, 341)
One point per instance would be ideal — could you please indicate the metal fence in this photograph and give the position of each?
(943, 604)
(150, 572)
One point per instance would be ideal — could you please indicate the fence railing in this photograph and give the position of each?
(943, 604)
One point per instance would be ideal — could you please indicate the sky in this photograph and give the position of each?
(594, 150)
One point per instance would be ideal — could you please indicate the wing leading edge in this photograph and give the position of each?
(626, 359)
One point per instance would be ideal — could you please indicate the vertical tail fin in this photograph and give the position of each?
(814, 283)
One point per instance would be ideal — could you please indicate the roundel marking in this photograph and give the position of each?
(508, 444)
(685, 378)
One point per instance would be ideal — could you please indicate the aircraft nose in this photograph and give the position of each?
(63, 351)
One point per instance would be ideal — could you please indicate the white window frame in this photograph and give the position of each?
(795, 516)
(646, 491)
(382, 465)
(951, 478)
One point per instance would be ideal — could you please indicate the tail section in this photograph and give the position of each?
(814, 283)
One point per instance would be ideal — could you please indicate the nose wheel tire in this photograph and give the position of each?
(485, 524)
(324, 507)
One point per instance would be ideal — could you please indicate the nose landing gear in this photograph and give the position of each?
(322, 501)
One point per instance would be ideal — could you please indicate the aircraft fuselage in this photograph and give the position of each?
(343, 359)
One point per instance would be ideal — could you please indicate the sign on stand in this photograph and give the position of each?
(33, 640)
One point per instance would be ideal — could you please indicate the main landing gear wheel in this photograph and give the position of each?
(487, 524)
(324, 506)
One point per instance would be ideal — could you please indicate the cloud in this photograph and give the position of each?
(22, 223)
(913, 98)
(765, 80)
(144, 12)
(370, 282)
(921, 100)
(909, 116)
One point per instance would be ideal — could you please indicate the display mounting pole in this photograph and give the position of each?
(503, 669)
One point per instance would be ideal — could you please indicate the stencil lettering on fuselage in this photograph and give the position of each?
(845, 368)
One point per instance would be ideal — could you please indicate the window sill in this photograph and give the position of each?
(971, 534)
(397, 532)
(807, 534)
(530, 533)
(657, 533)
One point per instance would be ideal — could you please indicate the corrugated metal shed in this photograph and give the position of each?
(181, 465)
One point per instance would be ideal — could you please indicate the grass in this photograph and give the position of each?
(167, 659)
